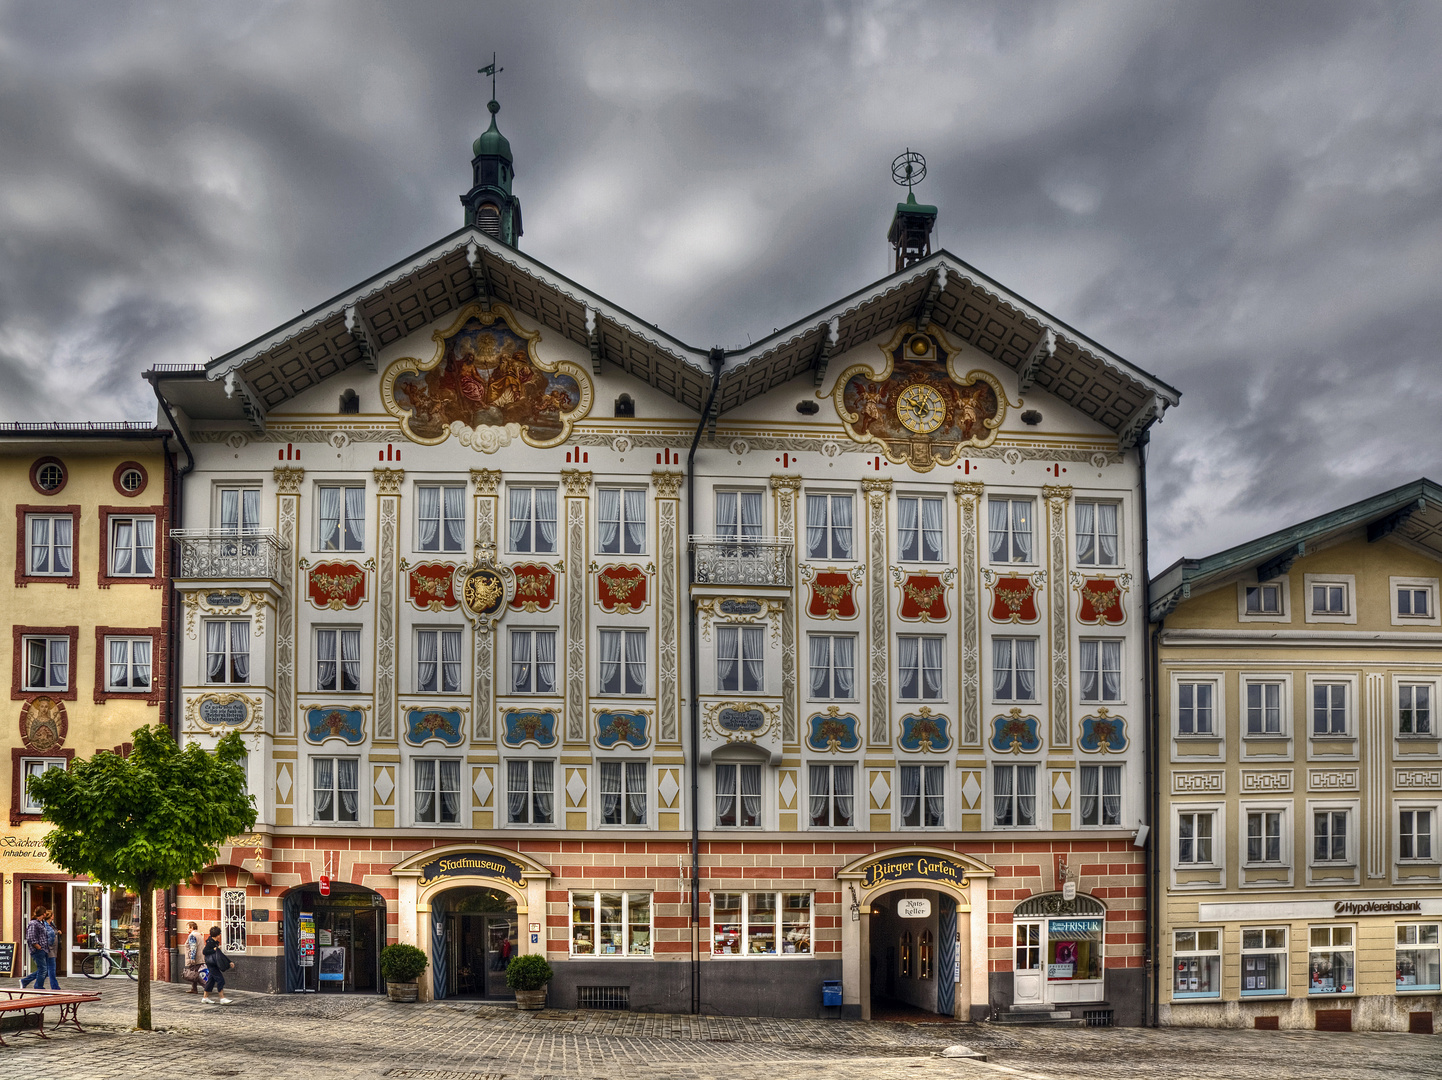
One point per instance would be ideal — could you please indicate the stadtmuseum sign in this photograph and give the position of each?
(473, 864)
(937, 868)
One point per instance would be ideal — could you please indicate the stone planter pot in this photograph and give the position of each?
(404, 992)
(531, 1000)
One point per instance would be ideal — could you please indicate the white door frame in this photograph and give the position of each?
(1028, 962)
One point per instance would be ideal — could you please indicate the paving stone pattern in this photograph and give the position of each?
(360, 1038)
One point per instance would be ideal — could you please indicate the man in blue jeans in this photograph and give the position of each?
(35, 941)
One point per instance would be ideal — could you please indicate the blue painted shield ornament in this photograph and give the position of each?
(1103, 733)
(925, 732)
(347, 725)
(833, 731)
(529, 725)
(614, 728)
(1015, 733)
(444, 725)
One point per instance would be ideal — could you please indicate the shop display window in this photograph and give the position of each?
(1197, 964)
(1419, 957)
(1074, 949)
(1332, 960)
(1264, 961)
(611, 924)
(761, 924)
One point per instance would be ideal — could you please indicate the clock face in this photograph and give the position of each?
(921, 408)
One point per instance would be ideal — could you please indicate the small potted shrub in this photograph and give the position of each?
(401, 966)
(528, 976)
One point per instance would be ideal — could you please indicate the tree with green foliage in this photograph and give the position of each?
(145, 822)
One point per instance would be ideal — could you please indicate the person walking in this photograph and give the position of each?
(216, 965)
(52, 950)
(194, 964)
(35, 942)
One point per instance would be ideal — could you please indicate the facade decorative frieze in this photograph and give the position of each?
(667, 484)
(485, 481)
(1211, 782)
(288, 605)
(1332, 779)
(578, 487)
(785, 489)
(1057, 498)
(968, 503)
(388, 481)
(1417, 779)
(1272, 781)
(387, 539)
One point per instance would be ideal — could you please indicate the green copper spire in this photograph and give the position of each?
(489, 204)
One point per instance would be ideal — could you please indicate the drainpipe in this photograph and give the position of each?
(718, 360)
(1152, 736)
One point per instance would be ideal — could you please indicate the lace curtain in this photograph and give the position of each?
(636, 791)
(330, 518)
(725, 794)
(635, 501)
(426, 660)
(355, 517)
(816, 524)
(450, 790)
(450, 662)
(907, 654)
(347, 777)
(997, 511)
(1107, 532)
(1111, 795)
(140, 664)
(820, 666)
(546, 519)
(517, 790)
(1111, 670)
(541, 789)
(425, 789)
(608, 520)
(1025, 794)
(119, 664)
(610, 661)
(931, 665)
(520, 519)
(820, 793)
(429, 517)
(841, 781)
(611, 792)
(1021, 529)
(906, 528)
(935, 799)
(455, 517)
(636, 662)
(122, 548)
(545, 662)
(841, 527)
(350, 659)
(910, 793)
(325, 659)
(215, 652)
(750, 793)
(751, 651)
(1025, 669)
(931, 510)
(145, 546)
(843, 665)
(240, 652)
(1002, 794)
(324, 788)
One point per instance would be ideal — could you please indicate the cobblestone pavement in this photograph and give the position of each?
(360, 1038)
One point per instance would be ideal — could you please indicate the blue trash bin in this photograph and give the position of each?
(831, 994)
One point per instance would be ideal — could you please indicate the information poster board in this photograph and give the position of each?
(332, 963)
(306, 926)
(7, 959)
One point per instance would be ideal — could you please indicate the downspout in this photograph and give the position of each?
(718, 360)
(1152, 735)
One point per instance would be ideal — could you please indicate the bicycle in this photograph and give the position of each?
(99, 965)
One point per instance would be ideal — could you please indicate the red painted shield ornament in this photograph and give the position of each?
(336, 585)
(621, 588)
(535, 587)
(1013, 600)
(923, 597)
(430, 586)
(833, 596)
(1101, 599)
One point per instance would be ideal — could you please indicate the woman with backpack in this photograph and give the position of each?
(216, 965)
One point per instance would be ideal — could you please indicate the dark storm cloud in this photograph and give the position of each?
(1241, 198)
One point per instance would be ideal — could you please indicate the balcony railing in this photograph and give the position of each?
(724, 560)
(227, 555)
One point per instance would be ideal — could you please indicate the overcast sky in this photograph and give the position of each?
(1240, 198)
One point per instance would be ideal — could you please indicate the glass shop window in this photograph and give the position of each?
(1419, 957)
(611, 924)
(1264, 960)
(1197, 964)
(1331, 956)
(1074, 949)
(761, 924)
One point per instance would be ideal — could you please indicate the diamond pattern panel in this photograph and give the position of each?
(384, 786)
(788, 791)
(880, 791)
(483, 786)
(668, 788)
(970, 790)
(576, 786)
(1061, 790)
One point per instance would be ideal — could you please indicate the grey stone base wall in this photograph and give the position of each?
(1379, 1012)
(1125, 989)
(783, 988)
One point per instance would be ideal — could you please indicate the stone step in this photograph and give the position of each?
(1038, 1017)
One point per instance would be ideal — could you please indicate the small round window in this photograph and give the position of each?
(132, 480)
(50, 476)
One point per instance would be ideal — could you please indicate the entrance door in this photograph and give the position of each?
(1027, 982)
(501, 932)
(88, 907)
(50, 895)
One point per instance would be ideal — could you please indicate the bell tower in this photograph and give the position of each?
(489, 204)
(911, 225)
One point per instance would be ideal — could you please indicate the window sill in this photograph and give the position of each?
(1197, 997)
(1340, 866)
(1268, 996)
(1325, 996)
(1411, 736)
(609, 956)
(1266, 866)
(1274, 736)
(1416, 864)
(1413, 991)
(1332, 736)
(763, 956)
(833, 701)
(1195, 736)
(44, 689)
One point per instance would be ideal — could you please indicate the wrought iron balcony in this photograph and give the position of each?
(222, 555)
(725, 560)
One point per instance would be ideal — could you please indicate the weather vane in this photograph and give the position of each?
(909, 169)
(491, 70)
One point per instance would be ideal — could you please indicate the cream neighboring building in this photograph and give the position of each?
(1299, 881)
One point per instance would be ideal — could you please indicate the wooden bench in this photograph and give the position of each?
(27, 1001)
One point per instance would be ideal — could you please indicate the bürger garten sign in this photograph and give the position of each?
(915, 868)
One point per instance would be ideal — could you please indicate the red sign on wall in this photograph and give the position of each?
(336, 585)
(324, 885)
(833, 596)
(1101, 599)
(923, 596)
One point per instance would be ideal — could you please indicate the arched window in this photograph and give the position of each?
(488, 219)
(924, 951)
(349, 403)
(625, 406)
(906, 955)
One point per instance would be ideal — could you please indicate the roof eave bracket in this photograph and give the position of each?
(1280, 563)
(1145, 416)
(250, 402)
(593, 338)
(823, 354)
(479, 276)
(928, 302)
(1393, 521)
(358, 328)
(1043, 351)
(1160, 609)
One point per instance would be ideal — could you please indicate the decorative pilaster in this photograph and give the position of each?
(668, 568)
(578, 495)
(1057, 497)
(388, 514)
(968, 500)
(483, 679)
(878, 493)
(1374, 757)
(287, 516)
(786, 488)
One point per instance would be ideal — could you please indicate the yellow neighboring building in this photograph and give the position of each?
(1299, 875)
(89, 615)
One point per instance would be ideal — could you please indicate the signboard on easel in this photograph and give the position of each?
(7, 959)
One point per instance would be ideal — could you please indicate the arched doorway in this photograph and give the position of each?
(333, 942)
(913, 954)
(475, 932)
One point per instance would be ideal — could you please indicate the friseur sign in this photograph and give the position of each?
(473, 864)
(915, 868)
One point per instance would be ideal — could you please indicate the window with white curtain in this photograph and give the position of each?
(533, 661)
(50, 540)
(530, 792)
(437, 790)
(128, 663)
(833, 667)
(1096, 533)
(227, 650)
(336, 788)
(919, 528)
(35, 766)
(1101, 669)
(1009, 524)
(918, 662)
(438, 661)
(342, 518)
(337, 660)
(238, 510)
(1013, 669)
(738, 795)
(623, 792)
(739, 664)
(923, 796)
(533, 520)
(1101, 795)
(440, 517)
(832, 796)
(1013, 791)
(621, 521)
(47, 663)
(132, 547)
(623, 662)
(828, 527)
(738, 515)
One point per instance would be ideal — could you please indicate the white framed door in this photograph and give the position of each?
(1028, 976)
(89, 920)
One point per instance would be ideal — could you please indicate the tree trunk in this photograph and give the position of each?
(147, 942)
